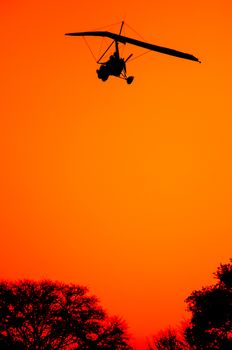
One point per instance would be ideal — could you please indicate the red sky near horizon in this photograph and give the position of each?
(124, 189)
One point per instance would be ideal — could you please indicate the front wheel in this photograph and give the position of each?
(129, 80)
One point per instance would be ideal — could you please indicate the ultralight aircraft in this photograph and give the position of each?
(116, 65)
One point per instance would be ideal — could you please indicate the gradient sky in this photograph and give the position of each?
(125, 189)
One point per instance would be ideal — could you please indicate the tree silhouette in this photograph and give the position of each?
(49, 315)
(170, 339)
(211, 323)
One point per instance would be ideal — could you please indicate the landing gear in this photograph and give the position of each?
(129, 80)
(103, 73)
(118, 70)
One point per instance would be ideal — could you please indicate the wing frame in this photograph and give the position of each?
(124, 39)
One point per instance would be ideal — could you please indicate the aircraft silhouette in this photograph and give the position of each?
(116, 65)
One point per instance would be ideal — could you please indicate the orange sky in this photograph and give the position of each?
(125, 189)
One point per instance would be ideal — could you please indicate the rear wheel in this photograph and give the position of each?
(103, 73)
